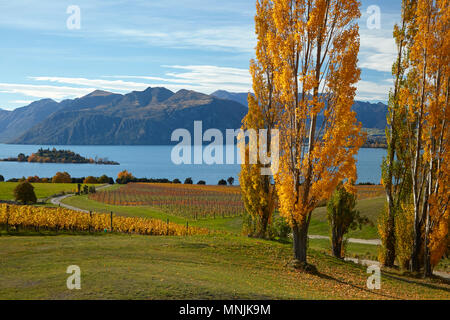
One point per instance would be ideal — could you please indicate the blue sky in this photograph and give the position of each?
(202, 45)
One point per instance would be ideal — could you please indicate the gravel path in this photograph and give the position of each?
(351, 240)
(57, 200)
(366, 262)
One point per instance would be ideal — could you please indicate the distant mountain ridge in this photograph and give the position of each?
(137, 118)
(371, 115)
(13, 123)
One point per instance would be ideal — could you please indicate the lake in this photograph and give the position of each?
(150, 162)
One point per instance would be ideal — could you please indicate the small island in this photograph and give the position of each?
(59, 156)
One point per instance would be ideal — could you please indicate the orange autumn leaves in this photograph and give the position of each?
(306, 66)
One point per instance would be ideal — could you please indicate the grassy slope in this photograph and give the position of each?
(370, 208)
(42, 190)
(319, 225)
(201, 267)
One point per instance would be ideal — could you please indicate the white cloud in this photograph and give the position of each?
(203, 78)
(377, 53)
(44, 91)
(118, 85)
(21, 102)
(372, 91)
(240, 39)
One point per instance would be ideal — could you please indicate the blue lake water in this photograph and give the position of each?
(150, 162)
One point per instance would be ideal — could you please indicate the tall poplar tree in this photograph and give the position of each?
(314, 48)
(395, 174)
(425, 99)
(257, 190)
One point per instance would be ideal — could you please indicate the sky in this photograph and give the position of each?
(121, 46)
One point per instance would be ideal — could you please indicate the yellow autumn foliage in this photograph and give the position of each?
(65, 219)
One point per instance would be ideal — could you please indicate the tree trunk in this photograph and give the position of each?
(390, 238)
(336, 244)
(300, 235)
(415, 263)
(427, 272)
(264, 223)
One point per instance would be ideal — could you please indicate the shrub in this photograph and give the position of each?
(33, 179)
(2, 178)
(105, 179)
(188, 181)
(92, 189)
(62, 177)
(279, 229)
(222, 182)
(342, 218)
(124, 177)
(24, 192)
(90, 180)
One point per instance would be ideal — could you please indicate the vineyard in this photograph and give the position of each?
(58, 219)
(370, 191)
(188, 201)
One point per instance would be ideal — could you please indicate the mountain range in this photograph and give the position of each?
(138, 118)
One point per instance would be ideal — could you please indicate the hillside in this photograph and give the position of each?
(138, 118)
(17, 122)
(197, 267)
(371, 115)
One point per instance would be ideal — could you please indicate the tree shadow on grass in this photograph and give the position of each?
(393, 276)
(374, 292)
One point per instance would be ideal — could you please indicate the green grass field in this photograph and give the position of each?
(370, 208)
(319, 225)
(220, 266)
(198, 267)
(42, 190)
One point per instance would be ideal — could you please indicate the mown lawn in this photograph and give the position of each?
(42, 190)
(117, 266)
